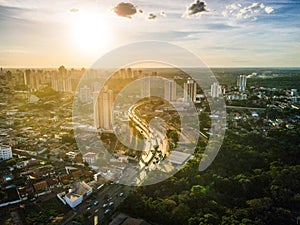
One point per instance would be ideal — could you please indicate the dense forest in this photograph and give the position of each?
(255, 179)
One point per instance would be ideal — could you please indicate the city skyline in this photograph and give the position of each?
(77, 33)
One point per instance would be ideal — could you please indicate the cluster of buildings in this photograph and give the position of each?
(61, 80)
(40, 133)
(103, 102)
(29, 178)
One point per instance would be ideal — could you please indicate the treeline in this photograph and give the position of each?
(254, 180)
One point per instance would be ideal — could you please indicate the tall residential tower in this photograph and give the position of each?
(170, 90)
(190, 91)
(242, 82)
(103, 112)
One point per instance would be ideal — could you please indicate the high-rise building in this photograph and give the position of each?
(5, 152)
(242, 82)
(103, 112)
(31, 79)
(61, 83)
(190, 91)
(215, 90)
(123, 73)
(294, 92)
(129, 73)
(85, 94)
(170, 90)
(145, 87)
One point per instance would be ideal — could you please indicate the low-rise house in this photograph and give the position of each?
(90, 157)
(41, 187)
(76, 195)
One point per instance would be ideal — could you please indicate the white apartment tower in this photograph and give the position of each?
(242, 82)
(215, 90)
(5, 152)
(145, 87)
(190, 91)
(103, 112)
(85, 94)
(170, 90)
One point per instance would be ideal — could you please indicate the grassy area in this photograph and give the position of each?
(45, 212)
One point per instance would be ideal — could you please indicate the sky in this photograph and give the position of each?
(38, 33)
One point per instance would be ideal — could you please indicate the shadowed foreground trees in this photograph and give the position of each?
(253, 180)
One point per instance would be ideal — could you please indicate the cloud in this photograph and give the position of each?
(13, 51)
(269, 9)
(249, 12)
(163, 14)
(125, 9)
(152, 16)
(74, 10)
(195, 8)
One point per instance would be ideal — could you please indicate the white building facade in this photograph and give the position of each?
(5, 152)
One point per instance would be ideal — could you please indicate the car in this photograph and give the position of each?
(96, 202)
(105, 205)
(121, 194)
(101, 186)
(111, 203)
(107, 211)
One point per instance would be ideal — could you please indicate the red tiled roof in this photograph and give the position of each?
(40, 186)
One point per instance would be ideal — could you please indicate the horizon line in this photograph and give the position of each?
(213, 67)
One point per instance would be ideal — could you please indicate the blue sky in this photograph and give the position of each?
(36, 33)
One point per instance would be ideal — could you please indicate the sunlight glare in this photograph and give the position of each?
(91, 33)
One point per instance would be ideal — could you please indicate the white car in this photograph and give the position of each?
(107, 211)
(111, 203)
(121, 194)
(104, 205)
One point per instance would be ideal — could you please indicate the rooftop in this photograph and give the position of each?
(90, 155)
(73, 196)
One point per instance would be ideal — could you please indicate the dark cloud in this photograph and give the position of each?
(74, 10)
(152, 16)
(125, 9)
(196, 7)
(163, 14)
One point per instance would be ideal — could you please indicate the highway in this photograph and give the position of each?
(155, 147)
(94, 205)
(242, 107)
(154, 140)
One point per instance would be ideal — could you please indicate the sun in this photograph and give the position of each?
(90, 32)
